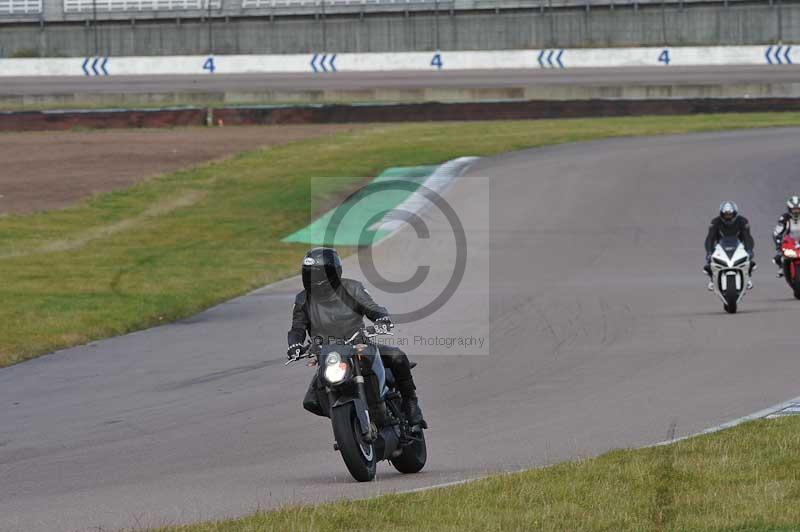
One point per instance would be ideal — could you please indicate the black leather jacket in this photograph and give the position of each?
(333, 314)
(740, 228)
(781, 229)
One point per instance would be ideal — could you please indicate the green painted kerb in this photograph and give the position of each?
(352, 229)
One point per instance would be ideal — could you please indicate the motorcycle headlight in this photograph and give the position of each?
(790, 253)
(335, 368)
(740, 261)
(719, 262)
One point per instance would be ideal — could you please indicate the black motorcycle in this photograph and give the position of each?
(359, 395)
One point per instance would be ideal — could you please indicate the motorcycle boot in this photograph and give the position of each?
(707, 271)
(410, 402)
(778, 260)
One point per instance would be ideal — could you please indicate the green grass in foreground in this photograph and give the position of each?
(172, 246)
(742, 479)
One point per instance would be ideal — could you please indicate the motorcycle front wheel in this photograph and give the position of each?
(358, 454)
(794, 284)
(731, 299)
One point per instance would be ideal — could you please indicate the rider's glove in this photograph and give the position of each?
(383, 325)
(294, 351)
(708, 258)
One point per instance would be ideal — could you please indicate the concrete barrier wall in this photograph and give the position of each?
(325, 64)
(568, 27)
(620, 91)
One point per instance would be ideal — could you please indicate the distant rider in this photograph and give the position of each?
(728, 224)
(788, 224)
(333, 308)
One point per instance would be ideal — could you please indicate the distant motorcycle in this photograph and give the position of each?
(790, 249)
(730, 271)
(364, 406)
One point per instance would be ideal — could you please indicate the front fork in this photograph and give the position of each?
(362, 404)
(359, 400)
(717, 278)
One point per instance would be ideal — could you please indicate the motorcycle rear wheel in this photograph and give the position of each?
(413, 458)
(357, 453)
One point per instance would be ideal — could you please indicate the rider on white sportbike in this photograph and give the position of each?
(728, 224)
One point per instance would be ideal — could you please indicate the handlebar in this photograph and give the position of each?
(307, 354)
(365, 332)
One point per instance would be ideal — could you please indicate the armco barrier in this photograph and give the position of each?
(328, 63)
(532, 109)
(319, 114)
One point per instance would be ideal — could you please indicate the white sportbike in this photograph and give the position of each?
(730, 272)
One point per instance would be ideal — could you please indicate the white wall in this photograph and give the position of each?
(413, 61)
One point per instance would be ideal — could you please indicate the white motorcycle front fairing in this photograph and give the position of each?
(730, 268)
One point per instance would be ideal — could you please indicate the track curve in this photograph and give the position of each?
(602, 336)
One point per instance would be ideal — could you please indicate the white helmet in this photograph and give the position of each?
(728, 211)
(793, 207)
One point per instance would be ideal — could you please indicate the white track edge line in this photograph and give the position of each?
(442, 177)
(761, 414)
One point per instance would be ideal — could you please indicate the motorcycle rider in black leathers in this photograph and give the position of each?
(728, 224)
(788, 222)
(333, 308)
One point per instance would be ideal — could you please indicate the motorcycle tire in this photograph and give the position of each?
(731, 298)
(787, 275)
(357, 453)
(413, 458)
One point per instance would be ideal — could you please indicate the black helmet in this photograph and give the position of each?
(793, 207)
(321, 267)
(728, 211)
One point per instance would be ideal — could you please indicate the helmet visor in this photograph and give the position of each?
(319, 276)
(795, 212)
(728, 215)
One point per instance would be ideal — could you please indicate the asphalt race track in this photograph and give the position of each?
(446, 79)
(584, 269)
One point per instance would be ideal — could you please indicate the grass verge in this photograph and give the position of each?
(742, 479)
(172, 246)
